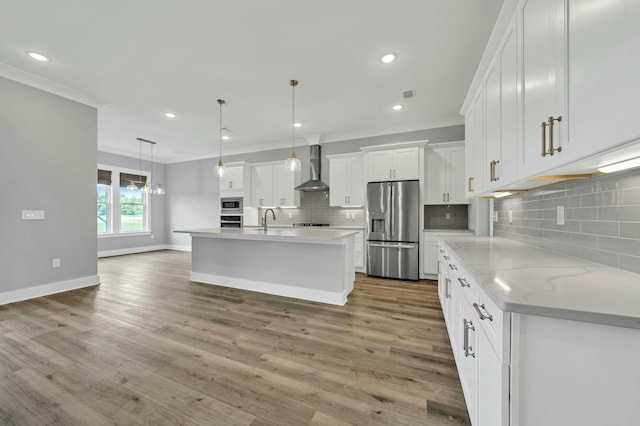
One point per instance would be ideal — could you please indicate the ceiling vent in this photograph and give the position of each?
(408, 94)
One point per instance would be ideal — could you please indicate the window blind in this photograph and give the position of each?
(104, 177)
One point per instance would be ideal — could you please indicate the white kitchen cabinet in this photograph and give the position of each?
(543, 86)
(393, 164)
(359, 250)
(474, 146)
(444, 181)
(604, 70)
(479, 335)
(346, 180)
(236, 182)
(284, 183)
(273, 186)
(501, 114)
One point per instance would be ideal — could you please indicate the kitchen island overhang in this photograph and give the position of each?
(309, 264)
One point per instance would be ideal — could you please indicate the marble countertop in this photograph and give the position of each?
(449, 231)
(297, 235)
(523, 279)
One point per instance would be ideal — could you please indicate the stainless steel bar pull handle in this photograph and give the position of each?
(452, 267)
(544, 138)
(551, 148)
(447, 286)
(470, 184)
(463, 282)
(481, 315)
(468, 325)
(495, 175)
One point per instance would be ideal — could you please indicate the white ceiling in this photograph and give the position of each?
(139, 59)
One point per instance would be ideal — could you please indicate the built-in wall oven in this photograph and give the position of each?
(231, 212)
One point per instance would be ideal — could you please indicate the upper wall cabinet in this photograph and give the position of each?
(543, 86)
(557, 90)
(237, 181)
(444, 180)
(604, 72)
(393, 164)
(501, 114)
(274, 186)
(346, 180)
(474, 146)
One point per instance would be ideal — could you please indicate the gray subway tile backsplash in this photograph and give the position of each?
(602, 219)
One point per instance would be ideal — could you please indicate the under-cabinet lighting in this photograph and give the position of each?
(287, 207)
(502, 194)
(623, 165)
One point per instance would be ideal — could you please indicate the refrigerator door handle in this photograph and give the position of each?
(391, 212)
(396, 246)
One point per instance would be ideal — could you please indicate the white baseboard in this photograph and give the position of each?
(48, 289)
(178, 248)
(271, 288)
(131, 250)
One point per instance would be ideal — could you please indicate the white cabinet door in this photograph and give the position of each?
(393, 164)
(543, 86)
(380, 165)
(339, 181)
(435, 185)
(493, 385)
(359, 251)
(455, 174)
(406, 163)
(474, 146)
(233, 179)
(357, 184)
(284, 183)
(604, 73)
(261, 186)
(501, 118)
(469, 367)
(430, 256)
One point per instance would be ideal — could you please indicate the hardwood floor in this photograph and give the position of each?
(149, 347)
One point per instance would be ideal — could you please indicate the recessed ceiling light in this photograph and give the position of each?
(388, 58)
(169, 115)
(225, 137)
(397, 107)
(297, 124)
(38, 57)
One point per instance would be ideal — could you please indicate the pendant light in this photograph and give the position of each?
(292, 163)
(156, 188)
(220, 170)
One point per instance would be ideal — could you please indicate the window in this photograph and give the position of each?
(104, 201)
(122, 206)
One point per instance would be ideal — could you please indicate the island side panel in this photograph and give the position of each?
(318, 272)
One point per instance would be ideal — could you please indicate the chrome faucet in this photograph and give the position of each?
(264, 220)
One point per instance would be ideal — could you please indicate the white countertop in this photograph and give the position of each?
(524, 279)
(449, 231)
(297, 235)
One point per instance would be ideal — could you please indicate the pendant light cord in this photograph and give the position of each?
(220, 102)
(293, 84)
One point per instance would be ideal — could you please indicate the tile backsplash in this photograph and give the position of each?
(602, 219)
(455, 216)
(315, 208)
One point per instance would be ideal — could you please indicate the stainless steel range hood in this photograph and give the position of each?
(314, 183)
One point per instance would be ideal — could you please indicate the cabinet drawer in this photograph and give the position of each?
(495, 323)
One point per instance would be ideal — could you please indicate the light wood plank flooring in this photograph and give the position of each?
(149, 347)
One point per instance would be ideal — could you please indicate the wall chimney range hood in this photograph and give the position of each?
(314, 183)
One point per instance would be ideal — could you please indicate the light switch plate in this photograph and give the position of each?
(32, 214)
(560, 215)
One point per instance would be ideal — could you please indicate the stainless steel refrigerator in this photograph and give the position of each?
(393, 229)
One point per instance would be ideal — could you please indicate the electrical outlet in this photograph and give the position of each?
(290, 215)
(447, 216)
(560, 215)
(55, 263)
(510, 217)
(495, 217)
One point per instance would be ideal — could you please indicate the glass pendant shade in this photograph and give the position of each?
(132, 186)
(157, 189)
(292, 163)
(220, 169)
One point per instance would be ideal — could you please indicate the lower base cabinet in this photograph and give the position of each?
(529, 370)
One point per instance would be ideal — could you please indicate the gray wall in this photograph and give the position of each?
(602, 219)
(157, 222)
(192, 199)
(47, 162)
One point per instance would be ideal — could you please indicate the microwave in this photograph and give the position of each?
(231, 205)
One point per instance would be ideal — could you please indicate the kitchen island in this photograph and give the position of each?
(309, 264)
